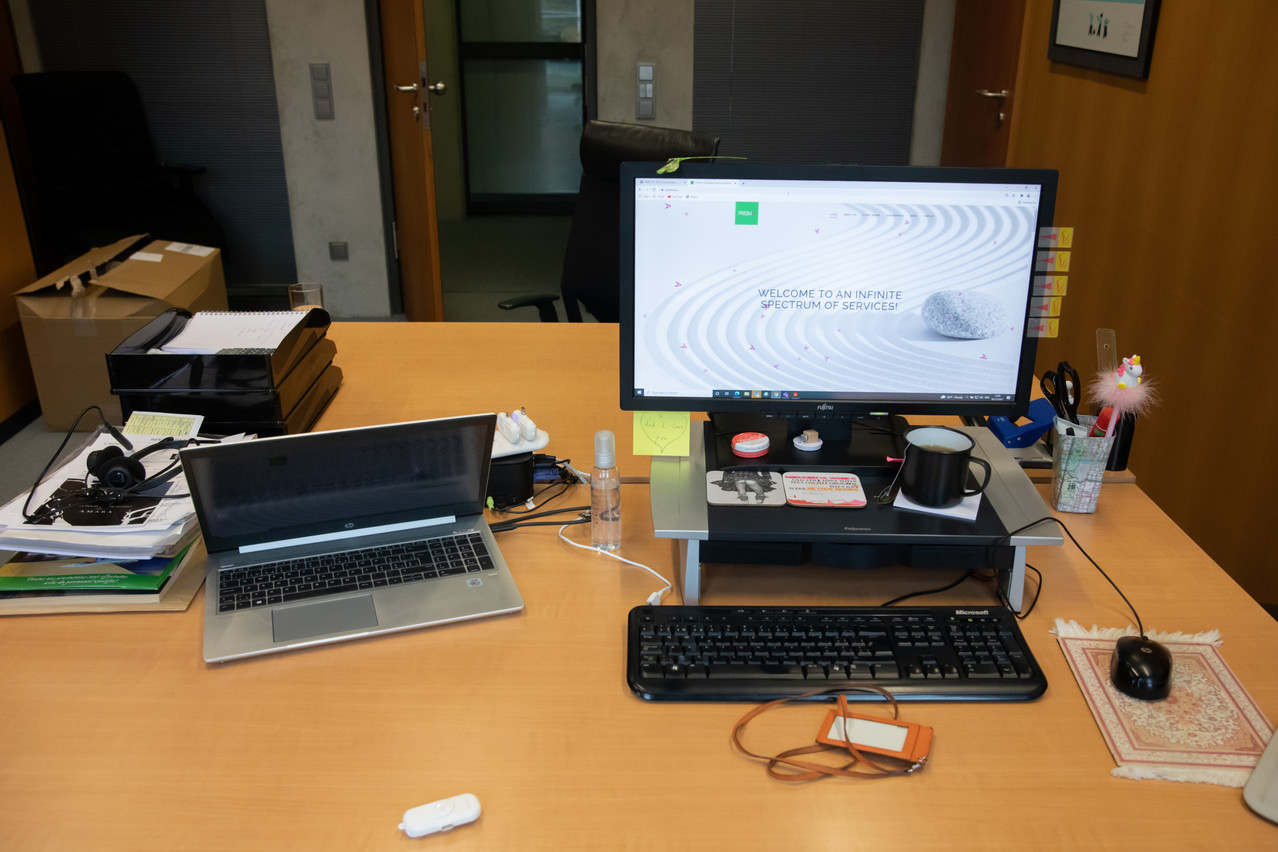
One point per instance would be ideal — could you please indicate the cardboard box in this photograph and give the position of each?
(73, 317)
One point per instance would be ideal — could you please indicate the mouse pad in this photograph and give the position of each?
(1207, 730)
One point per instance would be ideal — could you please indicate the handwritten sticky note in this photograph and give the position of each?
(1043, 328)
(1056, 238)
(662, 433)
(1045, 306)
(1050, 285)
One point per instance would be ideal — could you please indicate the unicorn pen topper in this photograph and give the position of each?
(1124, 390)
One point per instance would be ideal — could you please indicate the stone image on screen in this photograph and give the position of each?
(971, 316)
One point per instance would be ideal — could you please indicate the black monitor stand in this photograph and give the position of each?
(858, 445)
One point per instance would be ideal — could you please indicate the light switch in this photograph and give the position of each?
(321, 90)
(645, 102)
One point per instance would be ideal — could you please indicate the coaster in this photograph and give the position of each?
(744, 488)
(824, 490)
(1207, 730)
(966, 510)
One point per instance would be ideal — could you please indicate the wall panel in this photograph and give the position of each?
(1170, 183)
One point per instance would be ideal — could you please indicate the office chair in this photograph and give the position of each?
(592, 259)
(93, 175)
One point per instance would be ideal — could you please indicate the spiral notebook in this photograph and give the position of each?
(209, 332)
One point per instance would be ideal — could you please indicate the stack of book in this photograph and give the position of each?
(73, 543)
(264, 372)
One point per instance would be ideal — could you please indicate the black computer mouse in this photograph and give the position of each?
(1141, 668)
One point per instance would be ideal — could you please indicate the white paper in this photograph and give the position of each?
(139, 533)
(209, 332)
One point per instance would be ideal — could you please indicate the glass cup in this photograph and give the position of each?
(305, 295)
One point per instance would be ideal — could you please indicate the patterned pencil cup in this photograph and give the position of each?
(1078, 465)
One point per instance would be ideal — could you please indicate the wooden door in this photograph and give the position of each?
(982, 87)
(403, 34)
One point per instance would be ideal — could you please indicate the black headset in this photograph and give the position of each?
(113, 469)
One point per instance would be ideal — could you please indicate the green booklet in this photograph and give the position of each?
(42, 572)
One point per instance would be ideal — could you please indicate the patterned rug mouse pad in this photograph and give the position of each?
(1207, 730)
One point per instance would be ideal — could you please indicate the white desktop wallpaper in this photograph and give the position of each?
(825, 296)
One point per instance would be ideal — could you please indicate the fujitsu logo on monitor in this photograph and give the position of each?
(825, 406)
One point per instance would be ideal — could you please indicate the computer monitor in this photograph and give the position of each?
(787, 297)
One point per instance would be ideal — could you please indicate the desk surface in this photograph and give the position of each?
(117, 735)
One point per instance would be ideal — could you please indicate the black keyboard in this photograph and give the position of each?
(288, 580)
(725, 653)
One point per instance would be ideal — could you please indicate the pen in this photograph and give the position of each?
(1101, 427)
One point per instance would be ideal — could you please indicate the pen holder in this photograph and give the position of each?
(1078, 465)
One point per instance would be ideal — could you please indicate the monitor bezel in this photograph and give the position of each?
(1046, 179)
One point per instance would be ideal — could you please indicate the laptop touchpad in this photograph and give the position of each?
(323, 617)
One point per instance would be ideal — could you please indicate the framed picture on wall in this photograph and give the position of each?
(1116, 36)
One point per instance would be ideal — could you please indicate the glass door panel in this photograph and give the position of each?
(522, 75)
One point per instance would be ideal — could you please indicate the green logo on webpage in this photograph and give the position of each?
(747, 212)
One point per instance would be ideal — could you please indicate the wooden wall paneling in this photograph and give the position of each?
(1170, 184)
(17, 267)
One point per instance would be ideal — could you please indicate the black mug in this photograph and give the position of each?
(936, 464)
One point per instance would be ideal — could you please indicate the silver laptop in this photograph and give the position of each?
(329, 536)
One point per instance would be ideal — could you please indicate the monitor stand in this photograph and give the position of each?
(863, 445)
(724, 535)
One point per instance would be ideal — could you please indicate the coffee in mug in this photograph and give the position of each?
(935, 470)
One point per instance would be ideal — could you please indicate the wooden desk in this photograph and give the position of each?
(115, 734)
(565, 374)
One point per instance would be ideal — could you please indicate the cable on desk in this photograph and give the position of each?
(971, 572)
(526, 519)
(655, 598)
(1139, 626)
(1021, 616)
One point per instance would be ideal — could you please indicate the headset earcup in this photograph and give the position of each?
(124, 472)
(98, 458)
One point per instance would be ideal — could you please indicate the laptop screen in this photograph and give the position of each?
(347, 480)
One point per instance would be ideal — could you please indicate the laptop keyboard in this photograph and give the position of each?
(352, 570)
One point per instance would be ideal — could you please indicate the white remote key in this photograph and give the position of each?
(440, 816)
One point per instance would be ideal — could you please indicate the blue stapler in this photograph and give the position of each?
(1041, 414)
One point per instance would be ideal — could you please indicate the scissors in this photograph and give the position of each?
(1061, 388)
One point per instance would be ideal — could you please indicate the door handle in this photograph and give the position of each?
(1001, 96)
(437, 88)
(411, 88)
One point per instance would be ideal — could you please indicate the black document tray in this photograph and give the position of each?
(300, 419)
(134, 366)
(235, 405)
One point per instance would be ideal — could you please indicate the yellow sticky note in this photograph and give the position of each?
(1056, 238)
(1044, 328)
(662, 433)
(1047, 306)
(1050, 285)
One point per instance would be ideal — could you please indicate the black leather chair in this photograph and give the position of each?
(93, 175)
(592, 258)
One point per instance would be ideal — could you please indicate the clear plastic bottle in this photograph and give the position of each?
(605, 494)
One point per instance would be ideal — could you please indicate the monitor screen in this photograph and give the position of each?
(794, 291)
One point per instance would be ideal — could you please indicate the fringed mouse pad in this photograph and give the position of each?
(1208, 730)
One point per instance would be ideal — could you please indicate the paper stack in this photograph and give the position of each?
(73, 533)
